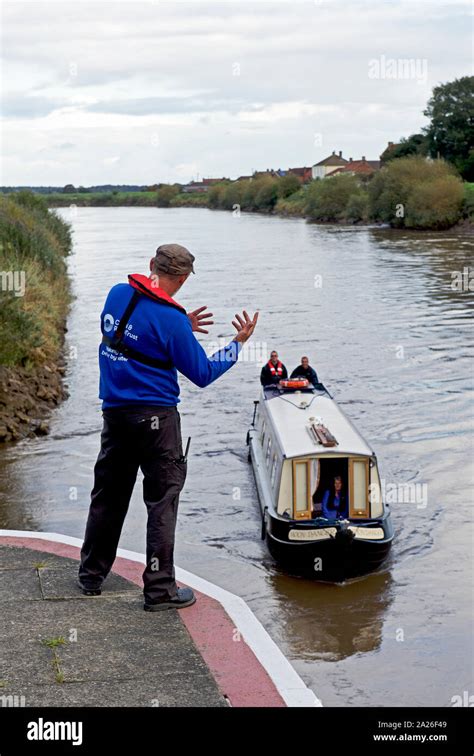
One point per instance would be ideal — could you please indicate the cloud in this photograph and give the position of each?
(213, 86)
(159, 105)
(111, 160)
(21, 105)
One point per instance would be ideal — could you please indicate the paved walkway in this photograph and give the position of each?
(60, 648)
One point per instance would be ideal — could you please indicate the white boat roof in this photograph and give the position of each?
(291, 421)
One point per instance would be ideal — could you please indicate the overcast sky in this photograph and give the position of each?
(140, 92)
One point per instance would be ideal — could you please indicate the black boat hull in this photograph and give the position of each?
(332, 559)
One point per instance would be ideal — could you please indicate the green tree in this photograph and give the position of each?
(215, 195)
(166, 193)
(328, 198)
(413, 192)
(249, 192)
(450, 133)
(357, 208)
(416, 144)
(267, 194)
(288, 185)
(232, 195)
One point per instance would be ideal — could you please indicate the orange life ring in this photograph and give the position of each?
(295, 383)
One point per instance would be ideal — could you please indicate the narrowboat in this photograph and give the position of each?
(318, 485)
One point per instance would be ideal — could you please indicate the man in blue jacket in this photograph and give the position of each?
(146, 338)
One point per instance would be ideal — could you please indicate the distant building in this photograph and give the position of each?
(361, 167)
(269, 172)
(389, 148)
(201, 186)
(211, 181)
(328, 165)
(194, 187)
(244, 178)
(303, 174)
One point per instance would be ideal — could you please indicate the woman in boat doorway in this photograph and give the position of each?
(334, 504)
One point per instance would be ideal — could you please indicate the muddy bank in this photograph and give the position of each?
(34, 245)
(27, 398)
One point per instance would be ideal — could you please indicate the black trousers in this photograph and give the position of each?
(135, 437)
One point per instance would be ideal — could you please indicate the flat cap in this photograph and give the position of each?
(174, 259)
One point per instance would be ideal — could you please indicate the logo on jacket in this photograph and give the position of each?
(108, 322)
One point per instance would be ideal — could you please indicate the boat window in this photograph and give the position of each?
(274, 467)
(315, 475)
(301, 490)
(263, 431)
(375, 493)
(359, 488)
(269, 449)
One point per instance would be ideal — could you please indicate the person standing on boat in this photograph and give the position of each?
(304, 370)
(273, 372)
(147, 338)
(334, 504)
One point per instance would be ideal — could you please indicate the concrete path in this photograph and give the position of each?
(60, 648)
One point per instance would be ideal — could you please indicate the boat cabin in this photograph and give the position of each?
(304, 442)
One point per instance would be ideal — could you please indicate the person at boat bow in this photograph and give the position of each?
(304, 370)
(273, 371)
(147, 337)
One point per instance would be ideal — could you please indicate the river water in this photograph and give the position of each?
(375, 311)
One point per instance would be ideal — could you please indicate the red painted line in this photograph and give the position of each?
(235, 668)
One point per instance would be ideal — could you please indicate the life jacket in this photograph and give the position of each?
(143, 286)
(146, 285)
(278, 370)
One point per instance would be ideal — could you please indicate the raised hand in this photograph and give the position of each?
(245, 326)
(199, 318)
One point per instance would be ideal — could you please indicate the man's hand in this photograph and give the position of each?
(200, 318)
(245, 327)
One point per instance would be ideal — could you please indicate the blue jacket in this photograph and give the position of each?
(158, 330)
(332, 513)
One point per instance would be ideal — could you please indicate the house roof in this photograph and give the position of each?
(358, 166)
(388, 149)
(268, 172)
(332, 160)
(298, 171)
(291, 424)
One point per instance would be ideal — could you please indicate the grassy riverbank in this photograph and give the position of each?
(102, 199)
(410, 192)
(34, 296)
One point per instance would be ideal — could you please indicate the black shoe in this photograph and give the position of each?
(184, 597)
(89, 590)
